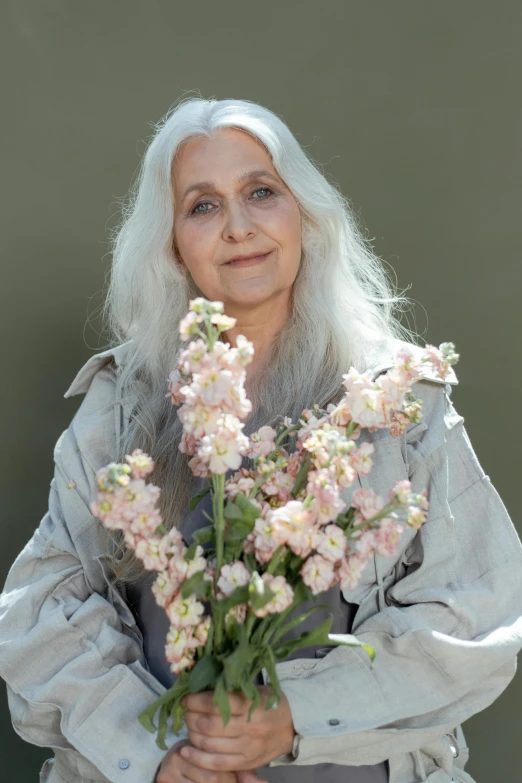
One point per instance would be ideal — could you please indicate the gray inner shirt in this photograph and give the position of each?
(154, 624)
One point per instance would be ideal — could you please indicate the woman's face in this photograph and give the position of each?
(241, 206)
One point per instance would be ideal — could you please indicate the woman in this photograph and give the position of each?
(82, 641)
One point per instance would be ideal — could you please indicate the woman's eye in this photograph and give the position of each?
(265, 189)
(197, 211)
(201, 204)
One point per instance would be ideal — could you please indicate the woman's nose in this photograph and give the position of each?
(238, 224)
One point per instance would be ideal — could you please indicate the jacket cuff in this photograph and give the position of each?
(323, 719)
(112, 737)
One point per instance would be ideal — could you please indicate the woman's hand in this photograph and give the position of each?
(241, 744)
(174, 769)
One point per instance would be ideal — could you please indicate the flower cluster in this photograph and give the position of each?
(209, 382)
(282, 530)
(125, 502)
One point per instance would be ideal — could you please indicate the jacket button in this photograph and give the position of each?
(124, 763)
(334, 722)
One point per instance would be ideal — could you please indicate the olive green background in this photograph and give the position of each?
(412, 108)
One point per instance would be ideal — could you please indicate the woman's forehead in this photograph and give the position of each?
(229, 154)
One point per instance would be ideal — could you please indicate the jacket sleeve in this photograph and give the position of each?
(69, 653)
(449, 630)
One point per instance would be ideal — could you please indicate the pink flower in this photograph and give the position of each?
(189, 325)
(175, 382)
(212, 386)
(294, 463)
(364, 544)
(265, 542)
(262, 442)
(234, 575)
(318, 574)
(164, 589)
(180, 642)
(185, 612)
(201, 630)
(440, 358)
(361, 460)
(387, 537)
(416, 517)
(351, 570)
(290, 525)
(199, 419)
(331, 543)
(242, 481)
(279, 485)
(367, 502)
(340, 414)
(140, 463)
(401, 492)
(223, 321)
(148, 550)
(222, 452)
(237, 613)
(284, 595)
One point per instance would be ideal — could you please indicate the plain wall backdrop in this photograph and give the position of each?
(413, 109)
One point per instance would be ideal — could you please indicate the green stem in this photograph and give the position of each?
(218, 481)
(302, 474)
(249, 623)
(352, 426)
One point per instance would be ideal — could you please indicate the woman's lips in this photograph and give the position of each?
(248, 261)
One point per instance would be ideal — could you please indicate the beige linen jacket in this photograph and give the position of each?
(444, 616)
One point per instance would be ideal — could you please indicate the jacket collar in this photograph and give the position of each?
(82, 381)
(381, 361)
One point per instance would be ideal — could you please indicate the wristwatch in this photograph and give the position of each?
(286, 758)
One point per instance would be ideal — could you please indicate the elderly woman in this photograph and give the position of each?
(229, 207)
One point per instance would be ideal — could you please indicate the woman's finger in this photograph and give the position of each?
(213, 726)
(219, 762)
(226, 745)
(190, 773)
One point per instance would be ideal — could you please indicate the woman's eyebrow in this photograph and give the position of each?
(244, 177)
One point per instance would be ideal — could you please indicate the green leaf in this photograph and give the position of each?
(351, 641)
(162, 730)
(270, 665)
(300, 479)
(231, 511)
(251, 562)
(195, 500)
(204, 534)
(345, 519)
(239, 529)
(248, 688)
(221, 700)
(259, 593)
(302, 593)
(295, 563)
(297, 621)
(176, 715)
(236, 664)
(197, 585)
(204, 674)
(256, 701)
(190, 553)
(250, 512)
(239, 596)
(318, 635)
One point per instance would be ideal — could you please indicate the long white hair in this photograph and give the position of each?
(344, 309)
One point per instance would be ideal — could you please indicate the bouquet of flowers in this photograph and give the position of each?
(280, 532)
